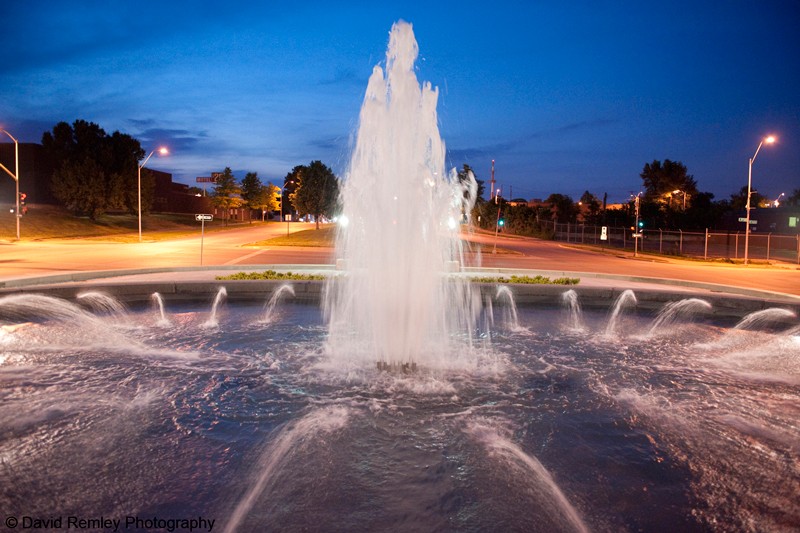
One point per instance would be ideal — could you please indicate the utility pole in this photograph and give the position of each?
(491, 190)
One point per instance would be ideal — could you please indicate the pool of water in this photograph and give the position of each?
(547, 421)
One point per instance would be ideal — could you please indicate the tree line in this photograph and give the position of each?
(95, 173)
(670, 200)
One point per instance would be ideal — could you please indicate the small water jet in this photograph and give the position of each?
(280, 293)
(570, 300)
(510, 318)
(760, 319)
(674, 310)
(103, 303)
(626, 299)
(161, 316)
(212, 321)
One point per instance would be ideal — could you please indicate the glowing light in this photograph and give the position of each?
(451, 223)
(344, 221)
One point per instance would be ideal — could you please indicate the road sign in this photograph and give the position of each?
(743, 219)
(604, 233)
(203, 217)
(206, 179)
(637, 235)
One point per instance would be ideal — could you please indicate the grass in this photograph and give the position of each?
(322, 237)
(273, 275)
(270, 274)
(51, 222)
(528, 280)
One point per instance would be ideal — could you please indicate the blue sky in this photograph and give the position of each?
(565, 96)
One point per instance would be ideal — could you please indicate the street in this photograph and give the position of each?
(27, 259)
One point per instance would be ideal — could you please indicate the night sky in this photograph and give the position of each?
(565, 96)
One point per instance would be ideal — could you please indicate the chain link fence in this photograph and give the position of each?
(708, 244)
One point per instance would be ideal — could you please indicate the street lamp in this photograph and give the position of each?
(768, 140)
(162, 151)
(15, 175)
(678, 191)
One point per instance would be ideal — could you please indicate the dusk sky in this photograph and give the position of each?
(565, 96)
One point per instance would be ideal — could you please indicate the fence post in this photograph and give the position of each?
(624, 244)
(660, 239)
(705, 248)
(798, 248)
(768, 237)
(680, 247)
(736, 247)
(583, 230)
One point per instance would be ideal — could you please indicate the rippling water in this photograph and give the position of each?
(545, 428)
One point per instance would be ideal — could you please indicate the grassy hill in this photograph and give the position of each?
(51, 222)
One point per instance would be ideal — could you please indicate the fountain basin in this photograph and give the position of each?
(249, 424)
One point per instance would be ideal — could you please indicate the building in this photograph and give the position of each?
(36, 175)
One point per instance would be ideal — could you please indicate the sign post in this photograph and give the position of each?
(202, 219)
(288, 217)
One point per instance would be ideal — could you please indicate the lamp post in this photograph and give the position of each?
(768, 140)
(162, 151)
(678, 191)
(15, 175)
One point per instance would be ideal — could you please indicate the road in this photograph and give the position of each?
(26, 259)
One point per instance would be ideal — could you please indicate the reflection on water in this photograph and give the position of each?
(549, 429)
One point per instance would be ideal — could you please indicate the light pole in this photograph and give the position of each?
(768, 140)
(162, 151)
(678, 191)
(15, 175)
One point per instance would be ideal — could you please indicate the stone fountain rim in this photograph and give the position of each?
(136, 286)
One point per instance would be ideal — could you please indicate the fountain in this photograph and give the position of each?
(286, 424)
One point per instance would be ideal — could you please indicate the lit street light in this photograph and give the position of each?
(162, 151)
(15, 175)
(678, 191)
(768, 140)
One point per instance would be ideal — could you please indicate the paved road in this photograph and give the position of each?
(27, 259)
(550, 255)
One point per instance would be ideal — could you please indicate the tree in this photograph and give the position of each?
(739, 199)
(562, 207)
(662, 180)
(317, 192)
(266, 199)
(95, 172)
(251, 191)
(794, 198)
(290, 184)
(226, 193)
(591, 205)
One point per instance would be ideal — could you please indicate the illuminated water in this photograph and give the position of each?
(402, 210)
(550, 429)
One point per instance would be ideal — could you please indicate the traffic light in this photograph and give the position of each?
(501, 222)
(22, 207)
(641, 224)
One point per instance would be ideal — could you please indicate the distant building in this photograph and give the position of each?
(171, 197)
(36, 176)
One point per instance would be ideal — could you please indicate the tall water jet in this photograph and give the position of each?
(394, 304)
(625, 299)
(570, 299)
